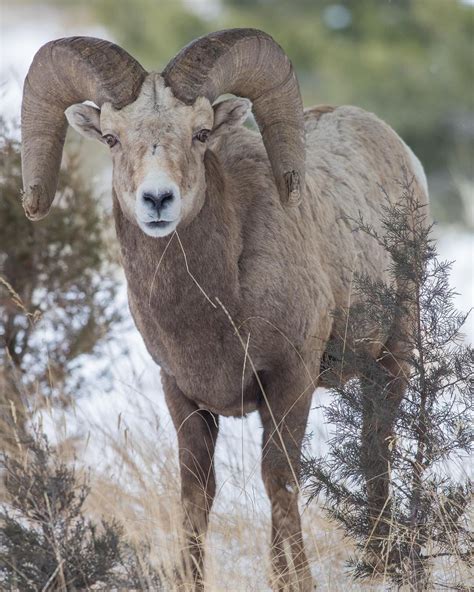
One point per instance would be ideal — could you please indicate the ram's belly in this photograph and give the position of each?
(217, 380)
(246, 398)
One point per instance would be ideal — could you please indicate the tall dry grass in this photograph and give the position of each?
(132, 463)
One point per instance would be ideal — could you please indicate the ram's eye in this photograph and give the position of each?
(110, 139)
(202, 135)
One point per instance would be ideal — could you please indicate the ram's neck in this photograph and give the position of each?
(194, 264)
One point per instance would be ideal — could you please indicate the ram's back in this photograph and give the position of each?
(355, 163)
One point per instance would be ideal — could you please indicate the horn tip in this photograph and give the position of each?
(35, 202)
(291, 194)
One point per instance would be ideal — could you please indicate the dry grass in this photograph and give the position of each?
(132, 462)
(126, 443)
(130, 452)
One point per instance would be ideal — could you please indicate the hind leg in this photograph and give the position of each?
(383, 392)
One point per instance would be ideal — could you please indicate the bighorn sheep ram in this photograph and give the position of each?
(236, 250)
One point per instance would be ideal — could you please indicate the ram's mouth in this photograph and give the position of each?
(157, 228)
(159, 223)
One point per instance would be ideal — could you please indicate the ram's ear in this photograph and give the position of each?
(230, 113)
(85, 119)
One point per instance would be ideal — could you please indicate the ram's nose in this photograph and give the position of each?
(157, 201)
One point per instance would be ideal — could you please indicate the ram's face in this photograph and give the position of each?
(158, 147)
(157, 144)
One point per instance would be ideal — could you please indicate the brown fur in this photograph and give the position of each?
(316, 112)
(236, 306)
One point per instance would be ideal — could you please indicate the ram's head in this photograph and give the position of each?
(157, 144)
(158, 126)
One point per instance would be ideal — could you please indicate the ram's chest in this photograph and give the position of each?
(185, 311)
(208, 369)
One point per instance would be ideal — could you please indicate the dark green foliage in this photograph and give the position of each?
(57, 287)
(153, 32)
(46, 542)
(423, 436)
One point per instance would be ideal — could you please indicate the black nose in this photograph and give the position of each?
(157, 202)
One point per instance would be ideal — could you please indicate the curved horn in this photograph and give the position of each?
(64, 72)
(249, 63)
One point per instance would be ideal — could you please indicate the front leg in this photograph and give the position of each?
(197, 433)
(284, 414)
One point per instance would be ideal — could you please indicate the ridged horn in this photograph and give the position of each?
(64, 72)
(249, 63)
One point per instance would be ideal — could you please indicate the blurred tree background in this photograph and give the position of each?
(409, 61)
(58, 288)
